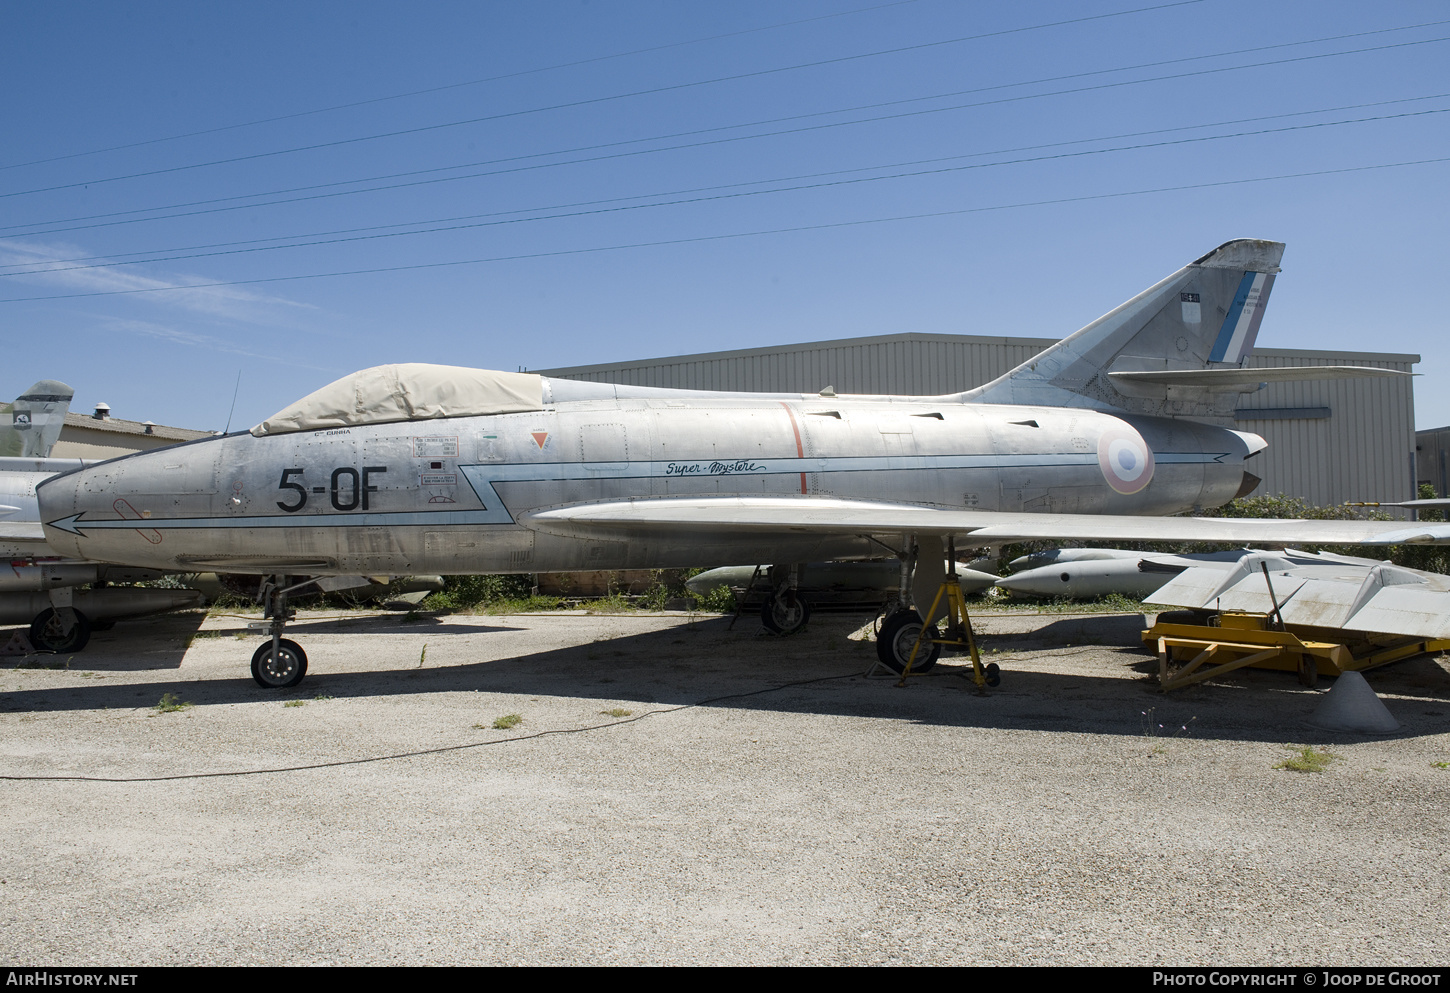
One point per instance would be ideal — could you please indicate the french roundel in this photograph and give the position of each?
(1125, 458)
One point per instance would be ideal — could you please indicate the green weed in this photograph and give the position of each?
(507, 721)
(171, 703)
(1307, 759)
(295, 703)
(617, 712)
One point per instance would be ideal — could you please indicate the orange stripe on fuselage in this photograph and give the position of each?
(799, 449)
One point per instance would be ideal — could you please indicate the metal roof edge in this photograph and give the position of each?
(972, 339)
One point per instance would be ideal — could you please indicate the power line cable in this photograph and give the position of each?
(58, 266)
(727, 186)
(725, 237)
(454, 86)
(32, 229)
(591, 101)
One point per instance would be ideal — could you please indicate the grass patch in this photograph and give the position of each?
(521, 605)
(507, 721)
(295, 703)
(1440, 765)
(171, 703)
(615, 603)
(617, 712)
(35, 663)
(1307, 759)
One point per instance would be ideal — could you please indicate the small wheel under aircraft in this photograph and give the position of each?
(898, 634)
(279, 673)
(1309, 672)
(781, 617)
(48, 631)
(992, 674)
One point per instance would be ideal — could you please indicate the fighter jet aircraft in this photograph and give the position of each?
(420, 468)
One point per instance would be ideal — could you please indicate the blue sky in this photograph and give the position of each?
(541, 183)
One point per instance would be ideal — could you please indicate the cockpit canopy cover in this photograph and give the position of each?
(411, 391)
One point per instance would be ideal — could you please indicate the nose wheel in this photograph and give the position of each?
(279, 667)
(278, 663)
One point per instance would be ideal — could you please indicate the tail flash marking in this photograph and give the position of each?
(1241, 323)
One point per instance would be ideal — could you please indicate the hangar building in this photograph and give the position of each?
(1330, 441)
(101, 436)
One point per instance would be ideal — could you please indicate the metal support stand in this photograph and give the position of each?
(958, 631)
(741, 597)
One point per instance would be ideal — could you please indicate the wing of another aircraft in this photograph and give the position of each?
(834, 516)
(22, 539)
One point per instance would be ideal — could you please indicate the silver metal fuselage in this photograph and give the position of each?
(442, 495)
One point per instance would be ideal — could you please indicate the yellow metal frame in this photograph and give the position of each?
(1247, 640)
(958, 631)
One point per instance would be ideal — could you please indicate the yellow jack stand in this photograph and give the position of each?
(958, 632)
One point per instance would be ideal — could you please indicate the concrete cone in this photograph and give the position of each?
(1352, 706)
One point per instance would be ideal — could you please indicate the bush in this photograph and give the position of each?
(466, 592)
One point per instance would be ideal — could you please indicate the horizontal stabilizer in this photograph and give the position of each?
(1228, 378)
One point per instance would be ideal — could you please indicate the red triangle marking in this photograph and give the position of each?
(540, 437)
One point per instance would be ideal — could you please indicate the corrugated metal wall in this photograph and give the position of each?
(916, 364)
(1363, 450)
(1432, 458)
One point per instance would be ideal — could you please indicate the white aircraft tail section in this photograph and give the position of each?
(31, 425)
(1176, 348)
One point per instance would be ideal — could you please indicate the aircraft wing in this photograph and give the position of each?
(1373, 597)
(834, 516)
(23, 539)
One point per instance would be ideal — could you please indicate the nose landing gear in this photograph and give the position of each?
(278, 663)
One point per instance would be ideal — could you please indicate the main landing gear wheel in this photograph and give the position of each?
(992, 674)
(48, 632)
(898, 634)
(780, 616)
(279, 673)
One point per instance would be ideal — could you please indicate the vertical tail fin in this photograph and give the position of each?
(1205, 316)
(35, 420)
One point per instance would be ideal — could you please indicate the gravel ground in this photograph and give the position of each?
(761, 803)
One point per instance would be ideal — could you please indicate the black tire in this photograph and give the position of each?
(898, 634)
(1309, 672)
(992, 674)
(287, 671)
(48, 633)
(779, 617)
